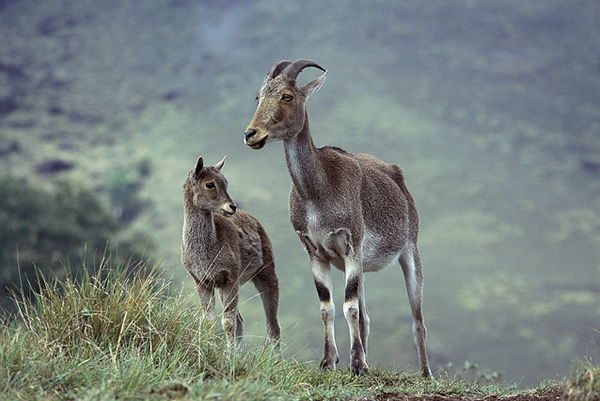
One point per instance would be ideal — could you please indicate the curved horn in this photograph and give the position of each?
(277, 68)
(220, 164)
(296, 67)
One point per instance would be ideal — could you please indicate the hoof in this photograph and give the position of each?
(360, 369)
(327, 364)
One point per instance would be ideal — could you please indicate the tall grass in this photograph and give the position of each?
(129, 334)
(584, 385)
(118, 333)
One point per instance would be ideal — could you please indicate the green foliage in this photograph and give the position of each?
(117, 335)
(44, 226)
(44, 230)
(122, 188)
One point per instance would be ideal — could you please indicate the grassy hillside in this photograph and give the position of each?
(113, 335)
(491, 109)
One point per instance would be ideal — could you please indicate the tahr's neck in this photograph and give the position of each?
(305, 168)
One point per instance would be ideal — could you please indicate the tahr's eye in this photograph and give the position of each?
(210, 185)
(287, 97)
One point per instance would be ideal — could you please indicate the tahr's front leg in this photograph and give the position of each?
(232, 321)
(322, 277)
(207, 298)
(354, 309)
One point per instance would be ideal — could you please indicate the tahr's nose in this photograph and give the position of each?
(233, 207)
(249, 133)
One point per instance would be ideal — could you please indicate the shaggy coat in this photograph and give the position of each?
(223, 248)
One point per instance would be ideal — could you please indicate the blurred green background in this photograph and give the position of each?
(491, 108)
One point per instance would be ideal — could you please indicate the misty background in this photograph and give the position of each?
(491, 108)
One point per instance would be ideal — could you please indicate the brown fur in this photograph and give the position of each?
(349, 210)
(224, 247)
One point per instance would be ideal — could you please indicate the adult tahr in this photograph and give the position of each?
(350, 210)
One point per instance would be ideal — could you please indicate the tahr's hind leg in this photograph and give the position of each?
(268, 288)
(364, 321)
(413, 276)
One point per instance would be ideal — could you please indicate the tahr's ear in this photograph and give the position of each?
(313, 85)
(198, 169)
(220, 164)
